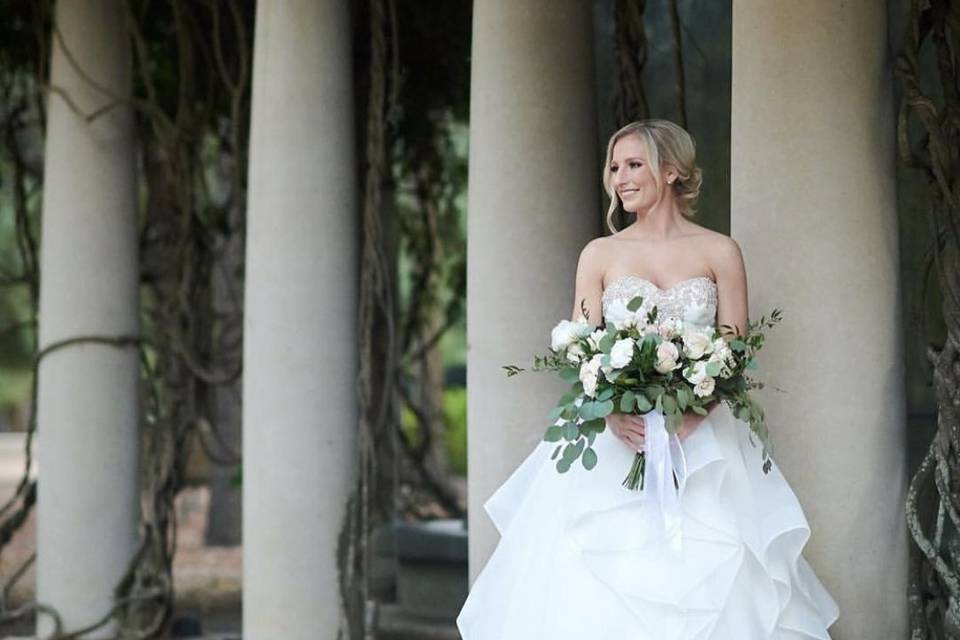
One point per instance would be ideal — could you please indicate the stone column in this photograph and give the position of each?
(533, 204)
(814, 209)
(300, 351)
(88, 407)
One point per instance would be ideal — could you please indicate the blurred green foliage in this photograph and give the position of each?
(455, 422)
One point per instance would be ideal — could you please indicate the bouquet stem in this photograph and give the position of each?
(634, 479)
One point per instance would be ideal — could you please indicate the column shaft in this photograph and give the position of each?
(814, 209)
(88, 407)
(300, 350)
(533, 204)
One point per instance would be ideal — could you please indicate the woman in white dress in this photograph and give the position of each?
(580, 556)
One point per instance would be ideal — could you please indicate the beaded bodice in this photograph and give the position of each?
(693, 300)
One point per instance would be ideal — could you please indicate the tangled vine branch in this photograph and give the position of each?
(933, 506)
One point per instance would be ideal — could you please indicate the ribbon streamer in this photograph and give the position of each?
(665, 460)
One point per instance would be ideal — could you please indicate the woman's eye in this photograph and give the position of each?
(613, 169)
(634, 165)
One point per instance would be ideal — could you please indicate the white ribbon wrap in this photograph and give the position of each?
(664, 459)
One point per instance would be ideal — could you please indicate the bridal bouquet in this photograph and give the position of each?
(639, 363)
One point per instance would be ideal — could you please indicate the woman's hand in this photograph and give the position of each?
(630, 428)
(691, 420)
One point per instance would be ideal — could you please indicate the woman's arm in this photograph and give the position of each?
(731, 284)
(731, 278)
(589, 283)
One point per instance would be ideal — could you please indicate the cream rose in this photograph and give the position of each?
(563, 335)
(667, 356)
(575, 353)
(696, 372)
(670, 328)
(696, 344)
(704, 388)
(590, 375)
(621, 353)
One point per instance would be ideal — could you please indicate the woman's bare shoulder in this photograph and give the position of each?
(593, 252)
(724, 251)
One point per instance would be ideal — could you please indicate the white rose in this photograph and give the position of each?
(590, 374)
(666, 366)
(594, 338)
(575, 353)
(667, 356)
(696, 344)
(619, 315)
(670, 328)
(566, 332)
(704, 387)
(696, 372)
(621, 353)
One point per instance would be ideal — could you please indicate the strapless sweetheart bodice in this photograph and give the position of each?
(693, 300)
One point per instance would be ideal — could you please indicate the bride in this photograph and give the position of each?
(578, 555)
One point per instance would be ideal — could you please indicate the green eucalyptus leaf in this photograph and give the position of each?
(589, 459)
(553, 433)
(683, 398)
(643, 405)
(635, 303)
(570, 431)
(604, 408)
(570, 374)
(627, 401)
(594, 426)
(606, 343)
(652, 392)
(699, 410)
(606, 394)
(556, 451)
(669, 403)
(673, 421)
(587, 410)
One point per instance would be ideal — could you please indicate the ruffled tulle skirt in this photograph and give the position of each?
(578, 558)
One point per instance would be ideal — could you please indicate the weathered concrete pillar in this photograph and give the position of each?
(814, 209)
(533, 203)
(300, 351)
(88, 407)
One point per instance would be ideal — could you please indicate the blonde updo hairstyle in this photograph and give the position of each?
(666, 143)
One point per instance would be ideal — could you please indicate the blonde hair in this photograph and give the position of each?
(666, 143)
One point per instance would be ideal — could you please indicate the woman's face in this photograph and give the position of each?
(631, 176)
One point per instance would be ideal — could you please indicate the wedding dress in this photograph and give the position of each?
(579, 556)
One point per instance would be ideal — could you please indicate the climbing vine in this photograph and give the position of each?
(928, 135)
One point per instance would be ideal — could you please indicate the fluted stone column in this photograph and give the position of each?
(300, 351)
(87, 395)
(533, 204)
(814, 209)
